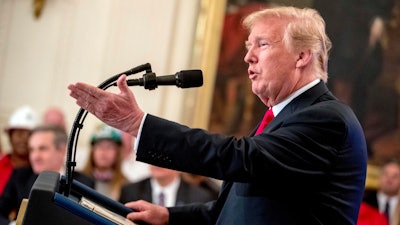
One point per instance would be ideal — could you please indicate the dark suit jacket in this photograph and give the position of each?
(307, 167)
(187, 193)
(19, 186)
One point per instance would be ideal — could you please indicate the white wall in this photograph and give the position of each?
(89, 41)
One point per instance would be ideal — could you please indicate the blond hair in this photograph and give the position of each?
(305, 30)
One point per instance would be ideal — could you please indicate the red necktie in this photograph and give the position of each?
(269, 115)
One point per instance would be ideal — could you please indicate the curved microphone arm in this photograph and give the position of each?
(78, 125)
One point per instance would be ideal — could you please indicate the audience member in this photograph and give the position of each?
(20, 123)
(385, 198)
(211, 185)
(104, 163)
(395, 220)
(55, 116)
(369, 215)
(133, 170)
(165, 188)
(127, 145)
(47, 149)
(1, 151)
(307, 166)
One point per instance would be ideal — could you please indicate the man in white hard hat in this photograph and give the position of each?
(21, 122)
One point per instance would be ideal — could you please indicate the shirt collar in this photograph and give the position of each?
(170, 191)
(278, 107)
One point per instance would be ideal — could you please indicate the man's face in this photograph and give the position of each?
(162, 173)
(19, 142)
(389, 181)
(43, 153)
(271, 64)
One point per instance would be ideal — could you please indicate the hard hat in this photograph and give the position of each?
(23, 118)
(105, 132)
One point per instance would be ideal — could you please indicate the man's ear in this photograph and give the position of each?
(304, 58)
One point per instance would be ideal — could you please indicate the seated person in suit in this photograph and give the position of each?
(210, 184)
(385, 198)
(47, 149)
(133, 170)
(165, 187)
(369, 215)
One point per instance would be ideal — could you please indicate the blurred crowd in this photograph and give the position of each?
(39, 143)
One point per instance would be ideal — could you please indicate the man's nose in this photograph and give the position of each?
(250, 57)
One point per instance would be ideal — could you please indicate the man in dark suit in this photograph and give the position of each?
(164, 185)
(385, 198)
(47, 148)
(307, 166)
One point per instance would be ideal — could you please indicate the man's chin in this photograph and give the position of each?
(22, 153)
(37, 170)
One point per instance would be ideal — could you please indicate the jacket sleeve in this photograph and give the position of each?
(194, 214)
(302, 146)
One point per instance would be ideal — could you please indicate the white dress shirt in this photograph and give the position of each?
(382, 199)
(170, 192)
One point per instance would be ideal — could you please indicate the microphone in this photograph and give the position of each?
(182, 79)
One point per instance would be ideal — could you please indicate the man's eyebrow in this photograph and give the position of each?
(247, 42)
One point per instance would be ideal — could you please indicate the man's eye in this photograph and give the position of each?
(259, 44)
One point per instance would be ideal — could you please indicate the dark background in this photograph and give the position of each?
(365, 77)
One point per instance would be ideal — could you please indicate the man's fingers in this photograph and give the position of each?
(148, 212)
(122, 85)
(139, 205)
(81, 90)
(73, 91)
(78, 94)
(136, 216)
(139, 210)
(85, 95)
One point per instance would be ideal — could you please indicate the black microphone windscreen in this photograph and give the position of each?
(189, 78)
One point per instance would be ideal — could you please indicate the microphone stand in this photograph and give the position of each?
(78, 125)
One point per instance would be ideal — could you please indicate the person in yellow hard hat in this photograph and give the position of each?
(21, 122)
